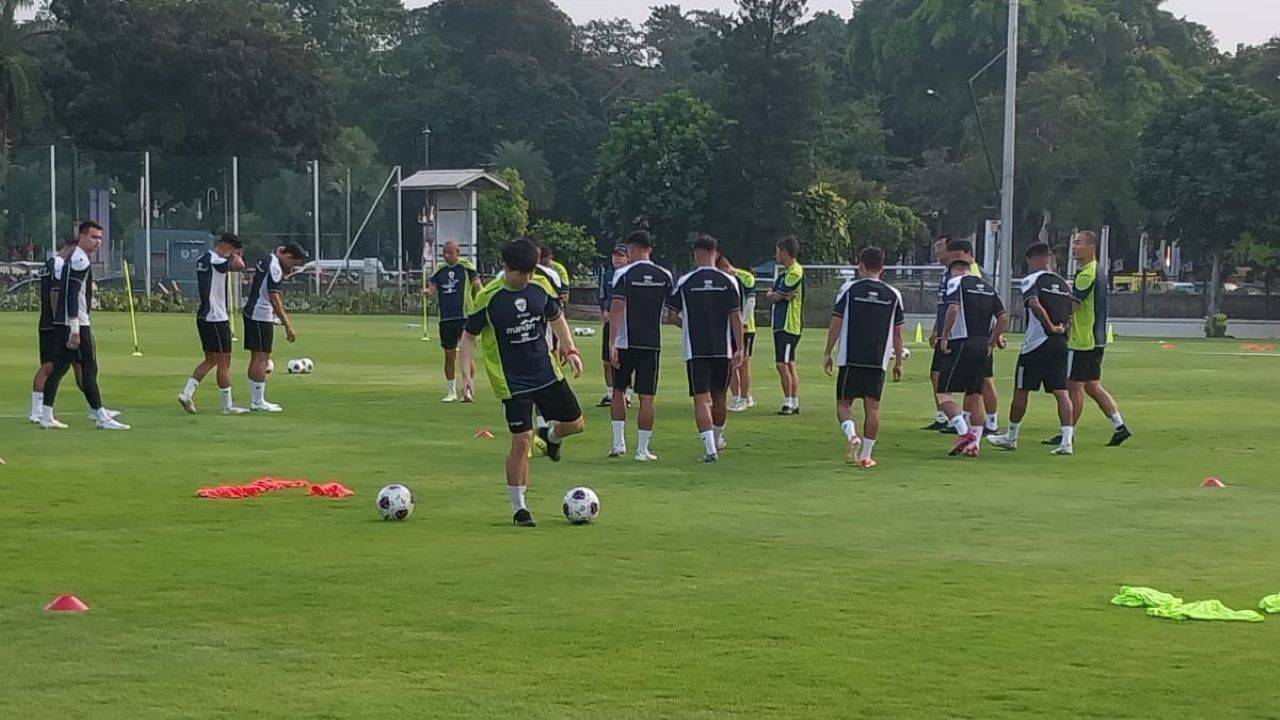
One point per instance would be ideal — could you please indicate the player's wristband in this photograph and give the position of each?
(573, 351)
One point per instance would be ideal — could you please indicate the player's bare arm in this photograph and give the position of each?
(568, 351)
(277, 304)
(1043, 316)
(466, 360)
(898, 345)
(997, 333)
(833, 336)
(617, 308)
(235, 262)
(739, 337)
(953, 314)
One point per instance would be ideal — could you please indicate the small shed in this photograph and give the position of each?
(448, 207)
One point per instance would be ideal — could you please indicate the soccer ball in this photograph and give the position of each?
(271, 366)
(395, 502)
(906, 353)
(581, 505)
(297, 366)
(308, 365)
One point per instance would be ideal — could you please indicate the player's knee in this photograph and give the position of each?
(521, 442)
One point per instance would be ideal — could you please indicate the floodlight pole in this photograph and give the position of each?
(146, 217)
(400, 231)
(315, 217)
(1004, 270)
(53, 199)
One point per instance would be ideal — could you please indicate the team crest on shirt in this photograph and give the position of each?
(708, 283)
(522, 304)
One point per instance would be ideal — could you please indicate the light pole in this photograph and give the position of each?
(1005, 269)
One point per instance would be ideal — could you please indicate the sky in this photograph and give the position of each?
(1233, 21)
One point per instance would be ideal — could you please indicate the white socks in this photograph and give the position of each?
(867, 446)
(102, 414)
(226, 398)
(46, 412)
(792, 403)
(517, 497)
(993, 422)
(850, 429)
(967, 416)
(551, 435)
(709, 441)
(190, 390)
(257, 392)
(37, 402)
(960, 423)
(1117, 421)
(643, 447)
(453, 387)
(1068, 436)
(620, 435)
(717, 431)
(539, 422)
(977, 431)
(1012, 432)
(608, 391)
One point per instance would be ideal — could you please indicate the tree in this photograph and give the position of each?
(1213, 161)
(616, 42)
(822, 224)
(501, 217)
(654, 171)
(573, 245)
(893, 228)
(17, 82)
(540, 182)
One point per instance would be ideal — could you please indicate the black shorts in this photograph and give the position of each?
(990, 372)
(1085, 365)
(708, 375)
(859, 382)
(86, 353)
(966, 368)
(940, 360)
(556, 403)
(604, 345)
(258, 335)
(784, 347)
(749, 339)
(451, 333)
(1046, 367)
(48, 346)
(215, 337)
(638, 371)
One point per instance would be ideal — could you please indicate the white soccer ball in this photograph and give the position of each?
(309, 365)
(581, 505)
(906, 353)
(271, 366)
(297, 366)
(395, 502)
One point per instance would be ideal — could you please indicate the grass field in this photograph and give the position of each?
(778, 583)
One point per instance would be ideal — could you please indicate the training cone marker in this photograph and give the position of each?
(1111, 334)
(1212, 482)
(484, 435)
(67, 604)
(919, 334)
(2, 461)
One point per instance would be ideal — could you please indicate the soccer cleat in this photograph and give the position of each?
(1063, 450)
(265, 406)
(1055, 440)
(1003, 442)
(973, 450)
(1120, 436)
(617, 452)
(948, 430)
(450, 398)
(233, 410)
(52, 424)
(93, 416)
(738, 405)
(867, 463)
(963, 443)
(112, 424)
(935, 426)
(646, 457)
(523, 518)
(553, 449)
(605, 401)
(854, 447)
(707, 459)
(788, 410)
(721, 444)
(751, 402)
(188, 404)
(468, 396)
(35, 419)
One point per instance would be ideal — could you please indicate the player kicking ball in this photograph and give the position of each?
(265, 303)
(865, 333)
(1043, 360)
(511, 319)
(974, 328)
(213, 324)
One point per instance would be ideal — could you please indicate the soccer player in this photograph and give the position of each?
(619, 261)
(974, 327)
(1043, 360)
(73, 340)
(640, 292)
(265, 303)
(511, 318)
(1089, 339)
(547, 255)
(213, 325)
(740, 380)
(866, 325)
(708, 307)
(455, 284)
(787, 297)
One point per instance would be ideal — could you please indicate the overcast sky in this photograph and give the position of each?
(1232, 21)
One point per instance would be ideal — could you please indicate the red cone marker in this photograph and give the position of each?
(67, 604)
(1212, 482)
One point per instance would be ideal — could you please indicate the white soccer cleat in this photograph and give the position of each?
(35, 419)
(738, 405)
(113, 414)
(721, 444)
(646, 457)
(1063, 450)
(112, 424)
(233, 410)
(854, 448)
(618, 452)
(450, 398)
(268, 407)
(188, 404)
(751, 402)
(1003, 442)
(52, 424)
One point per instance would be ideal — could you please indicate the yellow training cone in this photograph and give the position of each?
(919, 334)
(1111, 334)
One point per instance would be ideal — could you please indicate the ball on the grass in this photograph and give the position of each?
(297, 366)
(395, 502)
(906, 353)
(308, 365)
(581, 505)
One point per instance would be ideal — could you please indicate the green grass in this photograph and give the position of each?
(776, 584)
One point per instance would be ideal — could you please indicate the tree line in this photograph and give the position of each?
(748, 125)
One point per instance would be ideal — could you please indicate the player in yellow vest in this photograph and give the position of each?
(740, 378)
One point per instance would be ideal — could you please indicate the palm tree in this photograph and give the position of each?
(540, 182)
(17, 91)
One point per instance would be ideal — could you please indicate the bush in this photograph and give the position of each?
(1215, 326)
